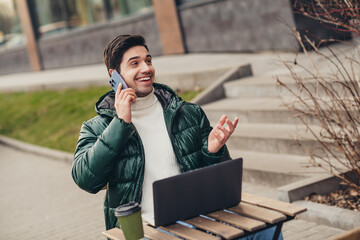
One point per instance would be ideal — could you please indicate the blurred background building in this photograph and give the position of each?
(47, 34)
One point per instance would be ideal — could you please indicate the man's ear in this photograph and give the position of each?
(111, 71)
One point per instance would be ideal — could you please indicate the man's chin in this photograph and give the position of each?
(143, 93)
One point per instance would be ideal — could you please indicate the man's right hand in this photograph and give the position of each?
(123, 100)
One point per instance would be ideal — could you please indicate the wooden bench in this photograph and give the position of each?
(253, 214)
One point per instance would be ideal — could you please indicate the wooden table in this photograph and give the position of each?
(253, 214)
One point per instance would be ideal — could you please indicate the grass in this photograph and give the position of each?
(51, 118)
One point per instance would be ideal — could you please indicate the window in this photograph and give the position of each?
(180, 2)
(10, 29)
(58, 16)
(121, 8)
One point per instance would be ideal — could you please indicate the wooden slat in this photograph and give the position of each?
(114, 234)
(238, 221)
(257, 212)
(283, 207)
(217, 228)
(188, 233)
(154, 234)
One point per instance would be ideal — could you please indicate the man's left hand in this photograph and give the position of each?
(220, 134)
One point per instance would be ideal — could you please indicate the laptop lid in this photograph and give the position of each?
(197, 192)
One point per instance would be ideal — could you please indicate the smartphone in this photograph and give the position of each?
(115, 80)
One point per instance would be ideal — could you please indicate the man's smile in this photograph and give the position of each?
(143, 79)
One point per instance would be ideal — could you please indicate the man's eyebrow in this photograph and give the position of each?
(137, 57)
(132, 58)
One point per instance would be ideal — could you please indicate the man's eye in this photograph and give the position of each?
(134, 64)
(148, 61)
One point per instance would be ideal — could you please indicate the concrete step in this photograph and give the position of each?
(251, 87)
(253, 110)
(274, 170)
(299, 229)
(275, 110)
(259, 189)
(276, 138)
(267, 86)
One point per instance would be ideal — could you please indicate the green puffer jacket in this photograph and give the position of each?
(110, 152)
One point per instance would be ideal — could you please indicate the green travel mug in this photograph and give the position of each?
(129, 217)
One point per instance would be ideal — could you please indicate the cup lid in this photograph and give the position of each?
(127, 209)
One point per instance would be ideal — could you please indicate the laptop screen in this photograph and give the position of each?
(197, 192)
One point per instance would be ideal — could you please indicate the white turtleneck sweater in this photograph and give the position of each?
(160, 162)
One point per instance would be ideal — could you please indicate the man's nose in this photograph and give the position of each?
(145, 67)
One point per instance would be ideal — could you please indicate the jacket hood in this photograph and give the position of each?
(166, 96)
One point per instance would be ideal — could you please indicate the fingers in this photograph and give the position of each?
(220, 136)
(123, 100)
(236, 120)
(223, 133)
(127, 95)
(118, 89)
(222, 120)
(232, 125)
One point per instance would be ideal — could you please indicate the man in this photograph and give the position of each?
(142, 134)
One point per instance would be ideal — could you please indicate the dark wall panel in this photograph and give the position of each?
(237, 25)
(14, 60)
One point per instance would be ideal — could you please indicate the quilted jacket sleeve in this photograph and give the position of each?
(208, 157)
(96, 155)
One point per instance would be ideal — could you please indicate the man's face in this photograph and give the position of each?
(137, 70)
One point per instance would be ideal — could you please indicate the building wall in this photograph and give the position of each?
(14, 60)
(86, 46)
(207, 26)
(237, 25)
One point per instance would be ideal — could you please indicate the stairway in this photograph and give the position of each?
(267, 134)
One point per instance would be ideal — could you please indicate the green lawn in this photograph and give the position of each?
(51, 118)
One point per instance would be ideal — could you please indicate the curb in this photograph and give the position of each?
(42, 151)
(216, 90)
(329, 215)
(320, 184)
(332, 216)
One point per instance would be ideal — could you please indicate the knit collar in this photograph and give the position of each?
(144, 102)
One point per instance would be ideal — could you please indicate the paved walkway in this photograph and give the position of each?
(41, 201)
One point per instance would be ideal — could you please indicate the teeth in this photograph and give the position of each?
(144, 79)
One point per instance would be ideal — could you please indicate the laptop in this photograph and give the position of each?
(197, 192)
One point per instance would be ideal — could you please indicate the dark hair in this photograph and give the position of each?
(116, 48)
